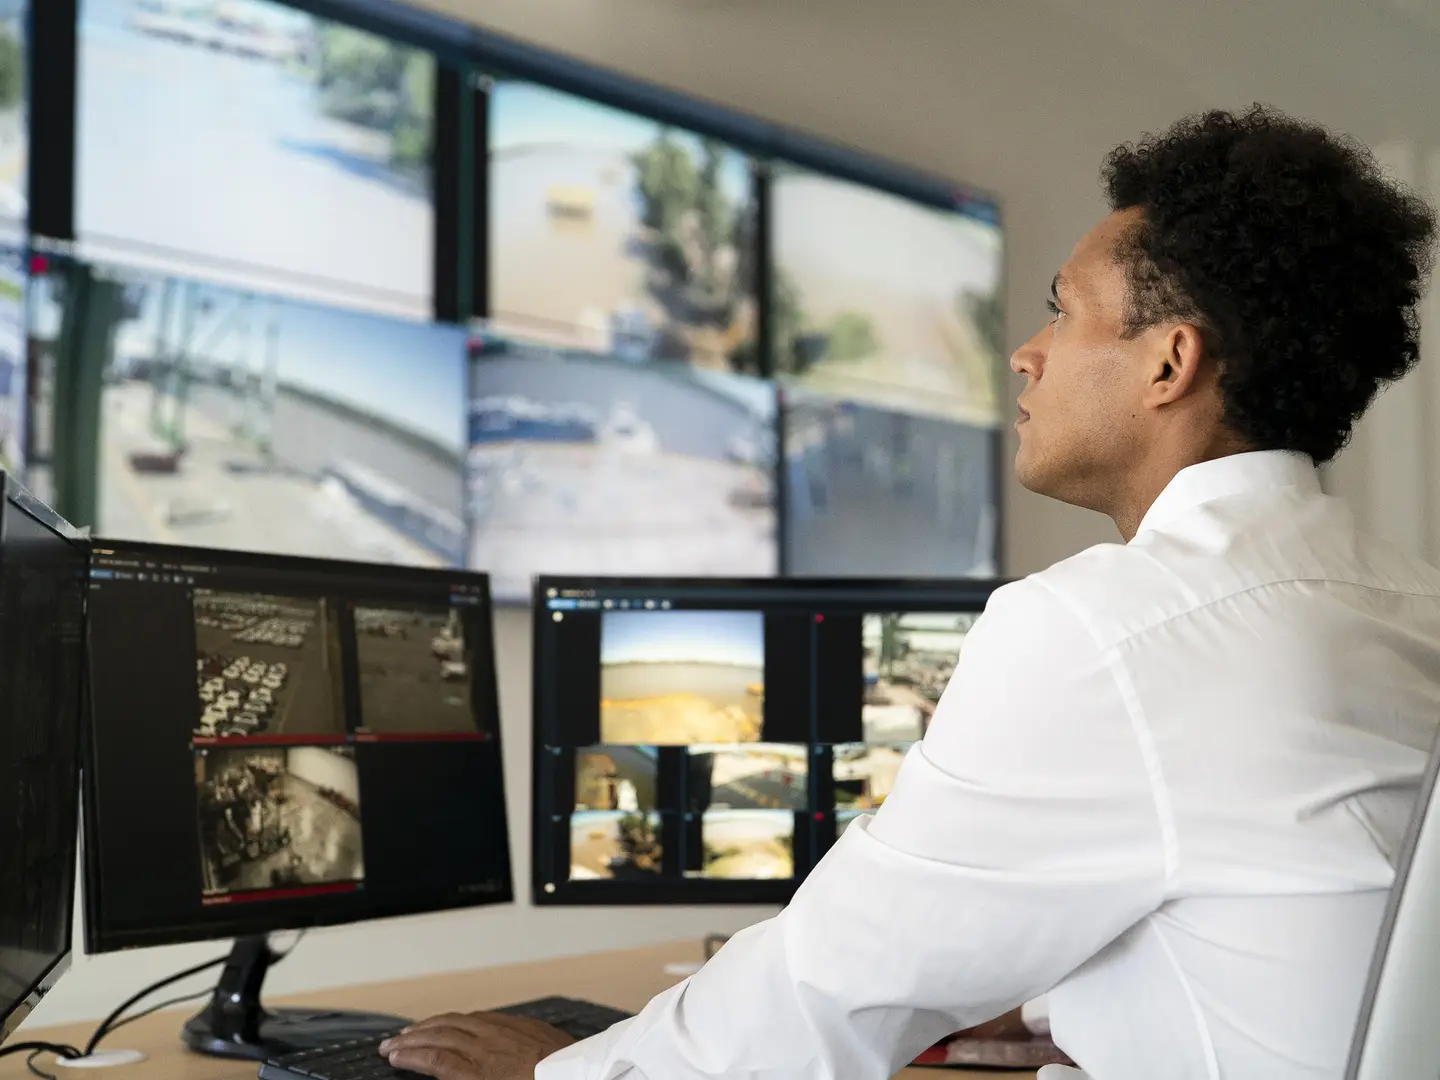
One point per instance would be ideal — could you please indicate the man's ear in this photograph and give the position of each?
(1178, 357)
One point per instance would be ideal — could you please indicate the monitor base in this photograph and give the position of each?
(284, 1031)
(235, 1025)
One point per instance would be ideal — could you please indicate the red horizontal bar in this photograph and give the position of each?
(422, 736)
(282, 894)
(269, 740)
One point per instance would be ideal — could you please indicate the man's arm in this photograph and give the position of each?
(1022, 836)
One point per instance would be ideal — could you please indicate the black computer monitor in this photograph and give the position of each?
(282, 743)
(42, 576)
(706, 741)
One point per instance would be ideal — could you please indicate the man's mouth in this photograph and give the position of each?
(1024, 414)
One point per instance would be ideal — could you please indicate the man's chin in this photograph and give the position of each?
(1035, 478)
(1027, 475)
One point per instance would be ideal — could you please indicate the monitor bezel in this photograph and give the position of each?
(238, 920)
(972, 591)
(16, 497)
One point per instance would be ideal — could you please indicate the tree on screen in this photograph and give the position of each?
(12, 69)
(371, 82)
(985, 312)
(700, 245)
(787, 317)
(891, 647)
(851, 337)
(669, 186)
(713, 212)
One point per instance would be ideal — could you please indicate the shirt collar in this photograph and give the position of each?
(1232, 475)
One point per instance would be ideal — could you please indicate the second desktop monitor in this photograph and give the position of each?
(280, 742)
(707, 741)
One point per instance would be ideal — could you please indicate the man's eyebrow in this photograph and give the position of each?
(1057, 282)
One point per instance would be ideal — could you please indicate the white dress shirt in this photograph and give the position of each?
(1166, 784)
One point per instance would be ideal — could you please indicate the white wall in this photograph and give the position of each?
(1021, 97)
(1390, 472)
(325, 769)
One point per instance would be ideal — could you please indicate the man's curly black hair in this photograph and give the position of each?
(1300, 262)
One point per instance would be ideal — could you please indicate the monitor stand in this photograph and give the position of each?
(235, 1025)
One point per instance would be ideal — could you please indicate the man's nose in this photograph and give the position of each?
(1029, 358)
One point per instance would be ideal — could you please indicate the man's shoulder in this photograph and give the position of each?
(1077, 595)
(1117, 591)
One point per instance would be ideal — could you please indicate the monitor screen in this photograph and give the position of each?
(14, 362)
(872, 491)
(286, 742)
(886, 301)
(706, 741)
(44, 309)
(14, 118)
(616, 233)
(255, 143)
(42, 579)
(589, 463)
(242, 421)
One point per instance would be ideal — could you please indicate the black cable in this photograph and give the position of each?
(275, 958)
(107, 1025)
(113, 1021)
(156, 1008)
(35, 1069)
(58, 1049)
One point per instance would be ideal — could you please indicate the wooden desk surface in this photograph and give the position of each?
(624, 980)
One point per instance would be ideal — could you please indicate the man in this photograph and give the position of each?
(1169, 777)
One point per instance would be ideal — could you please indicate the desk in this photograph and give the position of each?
(624, 980)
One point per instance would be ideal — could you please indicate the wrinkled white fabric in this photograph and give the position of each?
(1166, 784)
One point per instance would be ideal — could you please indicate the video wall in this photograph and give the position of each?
(317, 288)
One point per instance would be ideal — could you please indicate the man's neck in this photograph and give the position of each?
(1145, 486)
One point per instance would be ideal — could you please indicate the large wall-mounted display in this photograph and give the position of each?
(14, 365)
(14, 117)
(615, 233)
(872, 491)
(888, 335)
(883, 300)
(256, 144)
(236, 420)
(587, 463)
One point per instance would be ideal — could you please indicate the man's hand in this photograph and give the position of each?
(474, 1046)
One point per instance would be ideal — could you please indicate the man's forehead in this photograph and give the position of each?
(1094, 253)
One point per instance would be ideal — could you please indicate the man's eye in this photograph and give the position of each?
(1054, 309)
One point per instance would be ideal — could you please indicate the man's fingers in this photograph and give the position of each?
(523, 1025)
(434, 1061)
(454, 1039)
(479, 1023)
(450, 1019)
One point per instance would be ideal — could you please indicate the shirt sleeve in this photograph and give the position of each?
(1020, 838)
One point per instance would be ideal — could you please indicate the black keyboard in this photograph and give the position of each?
(361, 1060)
